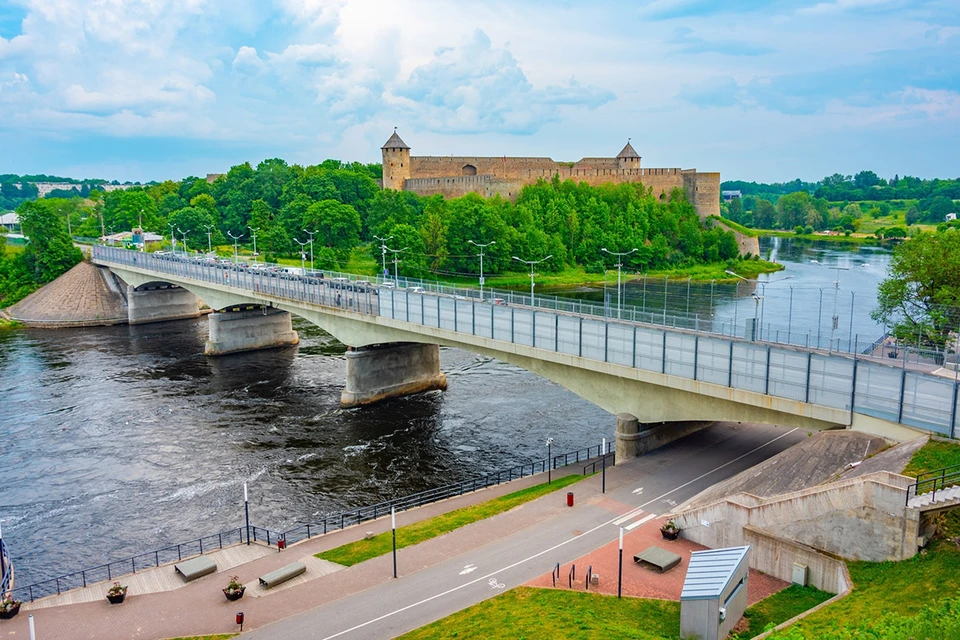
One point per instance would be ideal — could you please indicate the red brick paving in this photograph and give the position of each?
(640, 581)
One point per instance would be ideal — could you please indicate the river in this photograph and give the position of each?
(124, 439)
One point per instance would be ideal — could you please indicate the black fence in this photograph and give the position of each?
(345, 519)
(262, 535)
(6, 570)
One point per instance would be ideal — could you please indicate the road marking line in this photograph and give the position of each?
(637, 491)
(545, 551)
(629, 515)
(645, 519)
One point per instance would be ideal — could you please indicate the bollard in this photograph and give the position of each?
(569, 498)
(281, 544)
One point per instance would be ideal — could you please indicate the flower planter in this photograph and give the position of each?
(117, 598)
(6, 614)
(670, 534)
(235, 594)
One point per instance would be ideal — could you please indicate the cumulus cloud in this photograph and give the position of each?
(475, 87)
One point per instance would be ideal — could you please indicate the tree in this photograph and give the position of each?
(193, 221)
(764, 215)
(920, 298)
(338, 225)
(795, 209)
(865, 180)
(412, 261)
(50, 252)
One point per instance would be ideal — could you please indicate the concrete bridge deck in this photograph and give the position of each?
(658, 374)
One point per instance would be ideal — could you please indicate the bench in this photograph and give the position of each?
(195, 567)
(282, 574)
(658, 558)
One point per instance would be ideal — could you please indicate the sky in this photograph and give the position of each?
(757, 90)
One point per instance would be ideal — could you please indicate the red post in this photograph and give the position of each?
(569, 498)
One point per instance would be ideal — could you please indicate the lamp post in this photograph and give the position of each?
(481, 247)
(549, 461)
(173, 237)
(303, 255)
(393, 527)
(311, 247)
(209, 228)
(246, 509)
(619, 265)
(143, 241)
(184, 235)
(756, 299)
(620, 569)
(836, 291)
(235, 238)
(532, 264)
(763, 296)
(383, 252)
(253, 234)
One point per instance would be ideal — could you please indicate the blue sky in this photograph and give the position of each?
(771, 91)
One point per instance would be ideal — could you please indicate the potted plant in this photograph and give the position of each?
(116, 593)
(670, 530)
(234, 590)
(9, 608)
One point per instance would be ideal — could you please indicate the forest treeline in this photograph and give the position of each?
(343, 206)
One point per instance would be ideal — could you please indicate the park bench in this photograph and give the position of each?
(658, 558)
(195, 567)
(282, 574)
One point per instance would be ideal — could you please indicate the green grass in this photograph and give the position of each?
(736, 226)
(903, 588)
(9, 324)
(526, 613)
(780, 607)
(851, 239)
(411, 534)
(933, 456)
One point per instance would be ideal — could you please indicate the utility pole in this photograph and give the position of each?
(619, 265)
(235, 238)
(184, 234)
(532, 264)
(396, 260)
(209, 228)
(253, 234)
(303, 255)
(481, 247)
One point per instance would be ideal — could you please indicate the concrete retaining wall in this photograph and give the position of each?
(237, 331)
(776, 556)
(861, 518)
(160, 304)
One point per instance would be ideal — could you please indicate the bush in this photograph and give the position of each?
(798, 230)
(808, 229)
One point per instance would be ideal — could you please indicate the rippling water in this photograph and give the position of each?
(120, 440)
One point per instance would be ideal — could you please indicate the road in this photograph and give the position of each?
(653, 484)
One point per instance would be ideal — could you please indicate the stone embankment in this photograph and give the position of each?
(85, 296)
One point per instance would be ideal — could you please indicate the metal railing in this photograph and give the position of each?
(262, 535)
(125, 566)
(933, 481)
(352, 517)
(6, 570)
(872, 385)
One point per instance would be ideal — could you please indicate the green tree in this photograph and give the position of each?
(765, 215)
(50, 252)
(338, 225)
(920, 297)
(193, 221)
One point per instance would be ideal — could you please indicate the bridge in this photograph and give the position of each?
(662, 382)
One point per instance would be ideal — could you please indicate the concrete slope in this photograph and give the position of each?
(82, 297)
(894, 459)
(820, 458)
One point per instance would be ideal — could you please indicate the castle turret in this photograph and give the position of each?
(396, 162)
(628, 158)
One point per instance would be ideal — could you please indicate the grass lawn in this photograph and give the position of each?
(411, 534)
(933, 456)
(526, 613)
(780, 607)
(903, 588)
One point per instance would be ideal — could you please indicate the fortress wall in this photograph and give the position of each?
(439, 167)
(596, 163)
(454, 187)
(703, 190)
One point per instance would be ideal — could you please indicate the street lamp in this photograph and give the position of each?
(763, 296)
(311, 247)
(383, 252)
(619, 265)
(532, 264)
(143, 240)
(481, 247)
(209, 228)
(253, 234)
(184, 234)
(235, 238)
(303, 255)
(756, 309)
(173, 238)
(549, 460)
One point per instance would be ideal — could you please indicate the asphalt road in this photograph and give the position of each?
(653, 484)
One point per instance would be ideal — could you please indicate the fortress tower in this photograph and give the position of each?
(628, 158)
(396, 162)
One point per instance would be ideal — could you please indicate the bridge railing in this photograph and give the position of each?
(933, 481)
(6, 570)
(872, 385)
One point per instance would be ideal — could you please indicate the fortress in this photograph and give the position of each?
(457, 176)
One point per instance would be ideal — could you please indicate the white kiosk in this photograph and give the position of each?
(714, 593)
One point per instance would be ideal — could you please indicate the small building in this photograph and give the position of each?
(10, 221)
(730, 195)
(950, 216)
(714, 594)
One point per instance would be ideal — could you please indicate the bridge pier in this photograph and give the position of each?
(160, 302)
(249, 328)
(380, 372)
(635, 439)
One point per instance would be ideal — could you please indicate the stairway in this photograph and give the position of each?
(928, 501)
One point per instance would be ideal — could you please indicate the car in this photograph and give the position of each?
(416, 290)
(388, 284)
